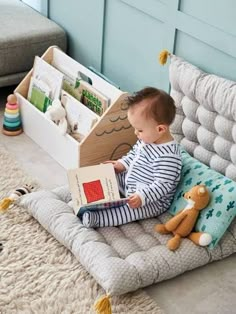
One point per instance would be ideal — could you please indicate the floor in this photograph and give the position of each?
(209, 289)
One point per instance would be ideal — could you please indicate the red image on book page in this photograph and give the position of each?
(93, 191)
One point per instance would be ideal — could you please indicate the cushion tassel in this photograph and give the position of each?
(163, 56)
(5, 203)
(103, 305)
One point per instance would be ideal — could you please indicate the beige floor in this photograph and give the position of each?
(209, 289)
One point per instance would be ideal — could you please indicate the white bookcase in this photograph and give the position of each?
(111, 137)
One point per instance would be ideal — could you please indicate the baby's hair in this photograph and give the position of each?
(159, 105)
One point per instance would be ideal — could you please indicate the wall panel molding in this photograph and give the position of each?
(122, 38)
(153, 8)
(206, 33)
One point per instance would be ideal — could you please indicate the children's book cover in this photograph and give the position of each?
(94, 188)
(46, 84)
(39, 94)
(92, 98)
(71, 80)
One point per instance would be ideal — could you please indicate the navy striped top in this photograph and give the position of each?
(153, 172)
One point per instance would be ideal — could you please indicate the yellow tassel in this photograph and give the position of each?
(103, 305)
(163, 56)
(5, 203)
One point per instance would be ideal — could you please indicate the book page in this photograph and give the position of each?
(93, 184)
(102, 205)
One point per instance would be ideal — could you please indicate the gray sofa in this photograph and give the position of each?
(24, 33)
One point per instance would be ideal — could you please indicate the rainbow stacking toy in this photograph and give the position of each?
(12, 121)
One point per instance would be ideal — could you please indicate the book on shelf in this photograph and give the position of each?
(38, 94)
(80, 118)
(94, 188)
(92, 98)
(71, 80)
(45, 84)
(76, 84)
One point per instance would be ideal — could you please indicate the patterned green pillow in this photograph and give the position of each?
(217, 216)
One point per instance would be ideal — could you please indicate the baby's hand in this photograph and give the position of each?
(118, 166)
(134, 201)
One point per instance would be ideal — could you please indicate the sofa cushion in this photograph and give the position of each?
(217, 216)
(24, 34)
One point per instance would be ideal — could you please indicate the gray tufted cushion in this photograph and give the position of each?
(205, 123)
(124, 258)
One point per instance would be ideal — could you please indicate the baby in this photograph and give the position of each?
(148, 175)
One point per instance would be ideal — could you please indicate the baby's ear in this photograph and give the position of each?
(161, 128)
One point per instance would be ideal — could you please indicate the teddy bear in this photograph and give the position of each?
(57, 113)
(182, 224)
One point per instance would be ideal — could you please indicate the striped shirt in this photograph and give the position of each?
(153, 172)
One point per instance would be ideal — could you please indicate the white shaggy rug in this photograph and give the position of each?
(38, 274)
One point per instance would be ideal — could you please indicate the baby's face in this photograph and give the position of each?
(145, 129)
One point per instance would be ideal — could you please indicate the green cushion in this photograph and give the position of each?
(217, 216)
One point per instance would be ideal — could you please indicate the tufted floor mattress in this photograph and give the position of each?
(124, 258)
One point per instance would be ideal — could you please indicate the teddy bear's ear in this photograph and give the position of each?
(202, 190)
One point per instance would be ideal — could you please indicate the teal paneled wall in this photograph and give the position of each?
(206, 57)
(123, 37)
(83, 22)
(218, 13)
(131, 42)
(39, 5)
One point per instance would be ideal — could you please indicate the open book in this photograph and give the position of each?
(94, 188)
